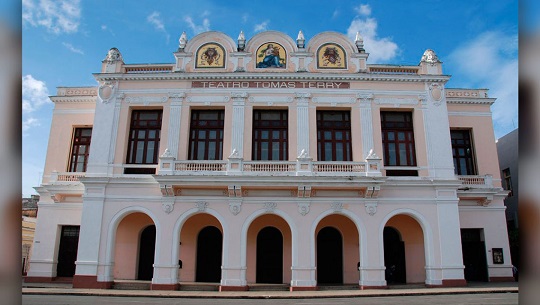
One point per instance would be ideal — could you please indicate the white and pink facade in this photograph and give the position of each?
(271, 161)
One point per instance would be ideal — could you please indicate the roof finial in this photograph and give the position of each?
(182, 42)
(241, 42)
(359, 41)
(300, 40)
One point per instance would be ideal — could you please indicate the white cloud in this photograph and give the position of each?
(490, 61)
(363, 9)
(57, 16)
(155, 20)
(261, 26)
(197, 29)
(34, 94)
(70, 47)
(335, 14)
(245, 18)
(28, 123)
(379, 49)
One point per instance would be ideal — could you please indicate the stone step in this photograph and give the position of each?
(338, 287)
(132, 285)
(199, 287)
(269, 287)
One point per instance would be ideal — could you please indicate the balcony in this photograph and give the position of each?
(65, 177)
(483, 182)
(303, 166)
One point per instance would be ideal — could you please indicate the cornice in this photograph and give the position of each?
(269, 76)
(481, 101)
(73, 99)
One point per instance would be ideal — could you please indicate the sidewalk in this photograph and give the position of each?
(65, 289)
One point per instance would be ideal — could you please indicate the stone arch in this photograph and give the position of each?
(337, 39)
(111, 237)
(210, 37)
(362, 233)
(178, 228)
(426, 231)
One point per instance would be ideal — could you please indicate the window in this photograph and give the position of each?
(508, 181)
(144, 136)
(462, 152)
(334, 136)
(398, 139)
(80, 147)
(270, 129)
(206, 135)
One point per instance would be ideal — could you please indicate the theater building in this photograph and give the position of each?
(271, 161)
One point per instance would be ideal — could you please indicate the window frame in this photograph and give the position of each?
(135, 127)
(74, 154)
(334, 127)
(270, 126)
(194, 137)
(470, 158)
(507, 177)
(407, 127)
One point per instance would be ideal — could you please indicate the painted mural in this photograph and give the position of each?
(331, 56)
(210, 55)
(271, 55)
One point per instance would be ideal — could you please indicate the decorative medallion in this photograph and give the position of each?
(106, 91)
(210, 55)
(271, 55)
(371, 208)
(303, 208)
(202, 205)
(337, 206)
(113, 56)
(436, 92)
(167, 204)
(430, 57)
(235, 207)
(331, 56)
(270, 207)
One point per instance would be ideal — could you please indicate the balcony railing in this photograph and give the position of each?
(66, 177)
(485, 181)
(300, 167)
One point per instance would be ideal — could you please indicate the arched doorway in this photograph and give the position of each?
(269, 256)
(394, 256)
(329, 256)
(147, 247)
(209, 246)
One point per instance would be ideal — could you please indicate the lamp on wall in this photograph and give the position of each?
(359, 41)
(300, 40)
(241, 42)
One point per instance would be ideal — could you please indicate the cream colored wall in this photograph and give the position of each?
(413, 237)
(128, 237)
(483, 135)
(59, 146)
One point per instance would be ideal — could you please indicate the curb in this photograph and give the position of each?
(267, 295)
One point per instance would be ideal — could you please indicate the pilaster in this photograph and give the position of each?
(366, 121)
(302, 110)
(237, 141)
(175, 116)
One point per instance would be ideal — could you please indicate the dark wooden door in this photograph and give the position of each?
(474, 255)
(147, 248)
(394, 256)
(329, 256)
(270, 256)
(67, 251)
(209, 252)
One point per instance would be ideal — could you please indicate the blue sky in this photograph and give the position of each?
(64, 42)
